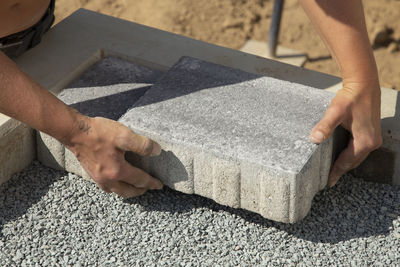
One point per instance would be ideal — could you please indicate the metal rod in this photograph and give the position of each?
(275, 26)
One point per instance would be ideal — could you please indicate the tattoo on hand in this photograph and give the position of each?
(84, 126)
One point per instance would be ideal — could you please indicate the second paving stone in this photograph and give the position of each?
(238, 138)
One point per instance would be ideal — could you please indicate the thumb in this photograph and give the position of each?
(138, 144)
(325, 127)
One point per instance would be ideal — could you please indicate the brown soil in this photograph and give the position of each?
(231, 22)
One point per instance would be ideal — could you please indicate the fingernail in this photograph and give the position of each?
(156, 150)
(160, 186)
(333, 181)
(317, 137)
(332, 184)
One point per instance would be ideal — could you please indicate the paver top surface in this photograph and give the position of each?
(109, 87)
(232, 113)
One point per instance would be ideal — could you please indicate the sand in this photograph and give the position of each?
(231, 23)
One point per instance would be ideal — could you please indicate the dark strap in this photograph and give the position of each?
(17, 43)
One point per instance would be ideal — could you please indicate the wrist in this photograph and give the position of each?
(365, 83)
(79, 130)
(361, 72)
(366, 93)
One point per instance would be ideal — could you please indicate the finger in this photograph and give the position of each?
(104, 187)
(325, 127)
(348, 159)
(138, 144)
(126, 190)
(342, 164)
(139, 178)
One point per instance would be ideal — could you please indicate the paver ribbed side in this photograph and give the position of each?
(275, 194)
(50, 152)
(174, 166)
(17, 150)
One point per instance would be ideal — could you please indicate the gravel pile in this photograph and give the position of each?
(50, 218)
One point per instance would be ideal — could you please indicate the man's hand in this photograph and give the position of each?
(100, 145)
(356, 107)
(341, 25)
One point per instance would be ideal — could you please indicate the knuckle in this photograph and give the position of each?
(337, 110)
(379, 142)
(344, 167)
(146, 183)
(104, 188)
(333, 109)
(122, 140)
(124, 135)
(139, 183)
(107, 176)
(371, 144)
(123, 195)
(146, 147)
(138, 192)
(130, 192)
(112, 174)
(324, 128)
(119, 190)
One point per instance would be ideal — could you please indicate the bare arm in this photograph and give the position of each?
(341, 25)
(98, 143)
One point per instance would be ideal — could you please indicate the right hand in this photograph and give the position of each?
(100, 145)
(356, 107)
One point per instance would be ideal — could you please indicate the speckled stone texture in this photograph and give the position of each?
(238, 138)
(114, 70)
(108, 89)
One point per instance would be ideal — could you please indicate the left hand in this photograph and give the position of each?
(356, 107)
(100, 145)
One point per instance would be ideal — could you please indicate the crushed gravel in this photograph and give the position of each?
(52, 218)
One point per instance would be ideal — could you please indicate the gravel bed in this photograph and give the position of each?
(52, 218)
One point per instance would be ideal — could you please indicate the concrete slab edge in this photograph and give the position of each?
(17, 150)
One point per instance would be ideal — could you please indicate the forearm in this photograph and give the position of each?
(356, 107)
(341, 25)
(25, 100)
(98, 143)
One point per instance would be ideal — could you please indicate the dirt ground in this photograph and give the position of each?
(231, 22)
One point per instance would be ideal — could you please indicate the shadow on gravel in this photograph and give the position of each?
(21, 192)
(352, 209)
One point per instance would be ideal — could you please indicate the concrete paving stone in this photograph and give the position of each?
(110, 101)
(17, 150)
(50, 151)
(239, 138)
(283, 54)
(113, 70)
(108, 89)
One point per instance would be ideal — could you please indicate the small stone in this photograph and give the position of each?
(18, 256)
(396, 235)
(393, 47)
(382, 36)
